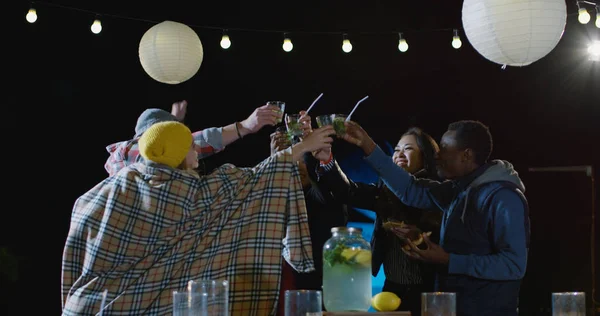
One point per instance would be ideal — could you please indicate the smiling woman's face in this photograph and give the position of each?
(407, 154)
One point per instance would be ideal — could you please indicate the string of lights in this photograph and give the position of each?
(226, 39)
(584, 17)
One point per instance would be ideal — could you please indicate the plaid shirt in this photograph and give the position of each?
(148, 230)
(124, 153)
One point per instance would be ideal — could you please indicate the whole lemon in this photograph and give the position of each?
(385, 302)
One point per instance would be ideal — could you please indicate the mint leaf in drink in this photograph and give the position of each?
(338, 125)
(294, 129)
(334, 256)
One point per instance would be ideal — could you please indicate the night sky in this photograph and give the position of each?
(72, 93)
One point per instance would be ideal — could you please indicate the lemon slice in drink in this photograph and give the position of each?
(348, 253)
(363, 257)
(360, 256)
(385, 302)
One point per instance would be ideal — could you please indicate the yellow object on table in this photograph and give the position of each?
(385, 302)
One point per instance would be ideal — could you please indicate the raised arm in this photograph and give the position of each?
(215, 139)
(406, 187)
(261, 116)
(412, 192)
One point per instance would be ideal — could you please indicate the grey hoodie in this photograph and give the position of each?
(499, 170)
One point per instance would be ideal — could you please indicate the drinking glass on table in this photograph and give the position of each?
(568, 304)
(189, 304)
(216, 292)
(303, 303)
(438, 304)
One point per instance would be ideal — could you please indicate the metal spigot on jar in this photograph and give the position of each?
(347, 271)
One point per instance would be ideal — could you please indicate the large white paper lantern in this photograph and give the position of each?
(171, 52)
(514, 32)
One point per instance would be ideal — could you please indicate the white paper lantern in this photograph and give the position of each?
(514, 32)
(171, 52)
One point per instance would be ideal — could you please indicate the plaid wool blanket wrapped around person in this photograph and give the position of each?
(148, 230)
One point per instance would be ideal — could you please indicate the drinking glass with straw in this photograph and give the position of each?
(338, 124)
(293, 125)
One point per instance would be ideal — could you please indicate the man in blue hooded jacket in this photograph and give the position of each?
(484, 236)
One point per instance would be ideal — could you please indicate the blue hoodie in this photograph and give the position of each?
(485, 229)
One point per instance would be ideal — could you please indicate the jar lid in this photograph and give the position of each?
(344, 229)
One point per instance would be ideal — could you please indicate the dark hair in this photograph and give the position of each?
(475, 136)
(428, 147)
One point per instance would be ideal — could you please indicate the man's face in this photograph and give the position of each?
(451, 160)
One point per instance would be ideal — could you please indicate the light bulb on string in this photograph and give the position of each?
(31, 16)
(287, 44)
(96, 26)
(598, 16)
(346, 45)
(583, 16)
(225, 41)
(402, 44)
(456, 42)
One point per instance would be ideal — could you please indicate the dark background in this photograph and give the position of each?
(71, 93)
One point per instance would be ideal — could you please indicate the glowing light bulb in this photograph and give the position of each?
(225, 41)
(31, 16)
(456, 42)
(598, 20)
(584, 17)
(346, 46)
(402, 45)
(96, 27)
(287, 45)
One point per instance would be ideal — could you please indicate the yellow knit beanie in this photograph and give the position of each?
(166, 143)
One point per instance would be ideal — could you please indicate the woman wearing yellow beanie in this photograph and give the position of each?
(171, 144)
(146, 231)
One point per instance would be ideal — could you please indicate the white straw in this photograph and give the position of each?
(357, 103)
(315, 101)
(103, 302)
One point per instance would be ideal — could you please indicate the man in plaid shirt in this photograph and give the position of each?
(155, 225)
(209, 141)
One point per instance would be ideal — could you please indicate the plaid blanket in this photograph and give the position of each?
(148, 230)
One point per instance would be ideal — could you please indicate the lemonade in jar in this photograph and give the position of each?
(347, 271)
